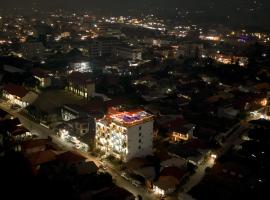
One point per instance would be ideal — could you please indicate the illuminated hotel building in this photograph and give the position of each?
(125, 135)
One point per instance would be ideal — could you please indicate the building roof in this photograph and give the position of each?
(173, 172)
(42, 157)
(129, 118)
(262, 86)
(3, 113)
(86, 168)
(15, 90)
(177, 162)
(34, 143)
(39, 73)
(19, 131)
(137, 163)
(79, 78)
(71, 157)
(12, 69)
(146, 172)
(166, 182)
(114, 193)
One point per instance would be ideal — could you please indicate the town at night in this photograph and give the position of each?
(134, 99)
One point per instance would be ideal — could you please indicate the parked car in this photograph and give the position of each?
(136, 183)
(125, 176)
(15, 106)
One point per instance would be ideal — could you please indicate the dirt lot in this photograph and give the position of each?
(50, 100)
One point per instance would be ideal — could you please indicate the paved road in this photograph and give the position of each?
(43, 132)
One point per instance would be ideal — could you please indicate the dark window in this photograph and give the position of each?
(140, 134)
(139, 147)
(140, 128)
(140, 140)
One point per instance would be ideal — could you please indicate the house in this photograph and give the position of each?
(41, 157)
(169, 178)
(71, 157)
(181, 131)
(18, 95)
(165, 185)
(33, 146)
(81, 84)
(20, 133)
(83, 168)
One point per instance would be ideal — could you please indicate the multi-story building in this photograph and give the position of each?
(103, 46)
(125, 135)
(128, 52)
(81, 84)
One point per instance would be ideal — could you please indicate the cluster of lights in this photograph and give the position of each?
(130, 118)
(210, 38)
(65, 135)
(242, 61)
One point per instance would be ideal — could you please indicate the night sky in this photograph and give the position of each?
(249, 12)
(135, 3)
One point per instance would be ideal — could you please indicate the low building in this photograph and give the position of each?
(33, 146)
(165, 185)
(81, 84)
(41, 157)
(125, 134)
(20, 133)
(43, 77)
(182, 132)
(82, 66)
(18, 95)
(81, 126)
(70, 112)
(170, 178)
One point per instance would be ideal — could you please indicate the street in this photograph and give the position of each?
(43, 132)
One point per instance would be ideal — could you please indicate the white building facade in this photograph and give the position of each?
(125, 135)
